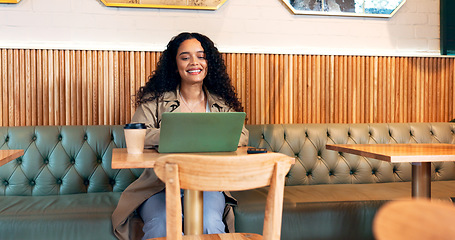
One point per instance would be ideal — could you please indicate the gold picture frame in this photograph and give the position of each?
(9, 1)
(172, 4)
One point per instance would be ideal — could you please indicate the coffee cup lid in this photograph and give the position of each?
(135, 126)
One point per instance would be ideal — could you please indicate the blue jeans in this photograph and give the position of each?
(153, 213)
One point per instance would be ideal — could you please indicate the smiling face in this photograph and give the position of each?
(191, 61)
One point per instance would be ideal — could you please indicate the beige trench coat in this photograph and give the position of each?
(126, 224)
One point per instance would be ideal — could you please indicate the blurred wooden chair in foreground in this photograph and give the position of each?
(416, 220)
(224, 173)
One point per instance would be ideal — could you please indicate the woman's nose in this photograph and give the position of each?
(193, 60)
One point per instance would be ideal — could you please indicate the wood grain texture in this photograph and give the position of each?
(174, 213)
(224, 172)
(273, 215)
(94, 87)
(121, 159)
(415, 219)
(256, 170)
(396, 153)
(216, 171)
(8, 155)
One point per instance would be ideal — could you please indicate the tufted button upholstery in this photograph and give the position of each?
(63, 160)
(76, 159)
(317, 165)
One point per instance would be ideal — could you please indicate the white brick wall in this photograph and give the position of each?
(264, 26)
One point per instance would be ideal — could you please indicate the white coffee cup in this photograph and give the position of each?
(135, 137)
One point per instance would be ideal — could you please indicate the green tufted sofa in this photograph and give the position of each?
(64, 188)
(331, 195)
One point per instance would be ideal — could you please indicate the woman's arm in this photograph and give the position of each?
(244, 137)
(146, 113)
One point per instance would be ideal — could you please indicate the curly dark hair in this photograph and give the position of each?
(166, 77)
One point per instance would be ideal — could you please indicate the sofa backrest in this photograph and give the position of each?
(317, 165)
(63, 160)
(77, 159)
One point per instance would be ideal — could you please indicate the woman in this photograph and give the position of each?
(190, 77)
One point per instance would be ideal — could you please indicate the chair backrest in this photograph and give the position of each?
(224, 173)
(416, 220)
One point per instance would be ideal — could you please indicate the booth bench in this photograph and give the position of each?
(63, 187)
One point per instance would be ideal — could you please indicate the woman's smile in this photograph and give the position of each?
(194, 71)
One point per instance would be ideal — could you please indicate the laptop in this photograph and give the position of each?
(200, 132)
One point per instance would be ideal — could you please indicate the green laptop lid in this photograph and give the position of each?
(200, 132)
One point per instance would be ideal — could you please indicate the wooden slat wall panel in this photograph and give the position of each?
(78, 87)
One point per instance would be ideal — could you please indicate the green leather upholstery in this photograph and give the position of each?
(63, 187)
(331, 195)
(63, 160)
(314, 220)
(72, 216)
(317, 165)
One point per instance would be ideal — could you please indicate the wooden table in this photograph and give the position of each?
(419, 154)
(122, 159)
(193, 203)
(8, 155)
(416, 219)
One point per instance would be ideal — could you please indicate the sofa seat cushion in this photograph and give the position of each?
(315, 211)
(76, 216)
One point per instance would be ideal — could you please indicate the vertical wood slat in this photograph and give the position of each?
(3, 89)
(16, 88)
(69, 87)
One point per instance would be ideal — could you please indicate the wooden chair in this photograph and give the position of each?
(416, 220)
(224, 173)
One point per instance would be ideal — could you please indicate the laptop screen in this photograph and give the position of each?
(200, 132)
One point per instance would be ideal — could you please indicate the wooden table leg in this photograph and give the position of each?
(421, 180)
(193, 212)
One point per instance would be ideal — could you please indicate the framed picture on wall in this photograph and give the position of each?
(178, 4)
(362, 8)
(447, 27)
(9, 1)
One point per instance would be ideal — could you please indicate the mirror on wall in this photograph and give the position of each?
(9, 1)
(361, 8)
(178, 4)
